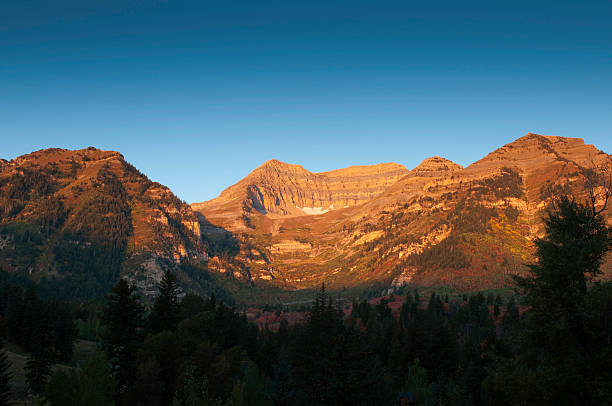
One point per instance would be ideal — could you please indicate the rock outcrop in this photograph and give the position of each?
(435, 166)
(439, 223)
(277, 189)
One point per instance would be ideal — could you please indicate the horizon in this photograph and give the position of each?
(197, 95)
(319, 172)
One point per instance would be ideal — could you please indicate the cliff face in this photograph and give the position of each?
(277, 189)
(87, 216)
(470, 228)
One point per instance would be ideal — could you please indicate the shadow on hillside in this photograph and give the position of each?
(221, 242)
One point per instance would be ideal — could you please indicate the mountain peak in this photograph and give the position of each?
(367, 170)
(435, 165)
(276, 165)
(57, 154)
(532, 138)
(279, 189)
(534, 150)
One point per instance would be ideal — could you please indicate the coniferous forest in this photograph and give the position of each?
(305, 203)
(549, 344)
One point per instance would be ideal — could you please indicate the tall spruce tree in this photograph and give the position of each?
(563, 358)
(38, 365)
(122, 317)
(5, 376)
(166, 309)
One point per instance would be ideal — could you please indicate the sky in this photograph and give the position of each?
(196, 94)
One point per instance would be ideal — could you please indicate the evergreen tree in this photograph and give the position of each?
(92, 385)
(166, 309)
(123, 319)
(39, 340)
(38, 368)
(563, 358)
(5, 376)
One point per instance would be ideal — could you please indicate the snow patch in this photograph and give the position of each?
(315, 210)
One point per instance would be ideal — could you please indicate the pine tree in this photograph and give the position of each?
(557, 337)
(38, 366)
(123, 320)
(166, 309)
(5, 376)
(563, 357)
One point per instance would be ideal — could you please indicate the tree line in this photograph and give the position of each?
(550, 345)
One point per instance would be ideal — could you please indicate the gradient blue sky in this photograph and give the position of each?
(196, 94)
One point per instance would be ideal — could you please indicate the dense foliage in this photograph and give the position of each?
(477, 350)
(564, 352)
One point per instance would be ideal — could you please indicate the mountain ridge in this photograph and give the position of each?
(91, 216)
(86, 217)
(280, 189)
(486, 214)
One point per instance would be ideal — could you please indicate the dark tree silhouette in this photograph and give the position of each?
(166, 309)
(123, 319)
(5, 376)
(563, 357)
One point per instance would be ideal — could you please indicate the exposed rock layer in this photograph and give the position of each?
(483, 217)
(278, 189)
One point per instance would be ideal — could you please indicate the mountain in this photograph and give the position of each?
(278, 190)
(439, 223)
(75, 220)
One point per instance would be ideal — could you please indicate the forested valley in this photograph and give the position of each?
(549, 344)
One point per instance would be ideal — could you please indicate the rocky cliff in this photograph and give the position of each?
(277, 189)
(470, 228)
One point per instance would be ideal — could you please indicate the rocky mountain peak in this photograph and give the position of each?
(435, 166)
(275, 167)
(278, 189)
(533, 151)
(386, 168)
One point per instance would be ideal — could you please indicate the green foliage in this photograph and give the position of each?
(564, 352)
(159, 360)
(93, 384)
(251, 390)
(123, 322)
(506, 184)
(418, 383)
(29, 183)
(90, 329)
(331, 363)
(446, 254)
(38, 370)
(6, 375)
(166, 308)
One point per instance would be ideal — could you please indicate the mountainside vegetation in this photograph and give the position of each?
(548, 345)
(467, 228)
(73, 221)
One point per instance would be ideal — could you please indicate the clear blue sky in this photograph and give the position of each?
(196, 94)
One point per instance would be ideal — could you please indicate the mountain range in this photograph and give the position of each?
(80, 219)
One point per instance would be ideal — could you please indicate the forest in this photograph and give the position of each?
(549, 344)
